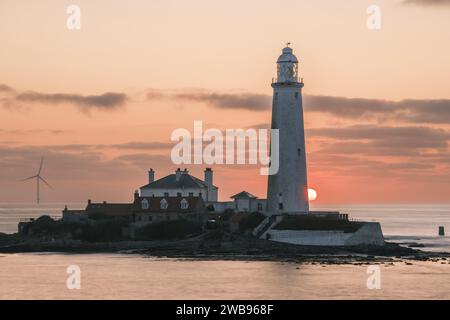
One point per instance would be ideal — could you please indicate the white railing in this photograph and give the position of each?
(260, 226)
(292, 80)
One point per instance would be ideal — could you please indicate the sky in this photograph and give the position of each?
(100, 103)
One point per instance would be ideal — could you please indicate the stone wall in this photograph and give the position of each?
(369, 234)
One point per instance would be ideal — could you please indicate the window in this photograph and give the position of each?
(191, 194)
(299, 152)
(260, 207)
(145, 204)
(280, 206)
(296, 95)
(178, 194)
(164, 204)
(184, 204)
(166, 194)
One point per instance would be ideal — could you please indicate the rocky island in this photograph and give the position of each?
(183, 239)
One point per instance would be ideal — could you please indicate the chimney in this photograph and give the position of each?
(151, 176)
(89, 201)
(178, 174)
(185, 171)
(209, 177)
(136, 194)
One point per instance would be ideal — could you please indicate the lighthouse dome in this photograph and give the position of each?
(287, 56)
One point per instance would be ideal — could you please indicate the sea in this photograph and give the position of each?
(130, 276)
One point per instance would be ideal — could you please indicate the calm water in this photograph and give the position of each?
(116, 276)
(111, 276)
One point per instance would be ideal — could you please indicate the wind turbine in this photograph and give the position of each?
(38, 179)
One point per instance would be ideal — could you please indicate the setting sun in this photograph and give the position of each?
(312, 194)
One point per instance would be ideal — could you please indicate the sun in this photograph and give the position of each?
(312, 194)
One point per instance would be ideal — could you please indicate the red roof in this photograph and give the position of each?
(110, 209)
(244, 195)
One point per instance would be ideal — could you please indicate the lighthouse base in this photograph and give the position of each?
(322, 229)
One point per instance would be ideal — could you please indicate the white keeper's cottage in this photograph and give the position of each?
(181, 184)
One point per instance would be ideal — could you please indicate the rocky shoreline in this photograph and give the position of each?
(227, 247)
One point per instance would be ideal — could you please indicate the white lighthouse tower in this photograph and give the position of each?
(288, 189)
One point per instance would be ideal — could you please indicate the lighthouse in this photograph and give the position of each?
(287, 190)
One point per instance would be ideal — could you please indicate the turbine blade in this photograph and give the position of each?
(40, 166)
(48, 184)
(28, 178)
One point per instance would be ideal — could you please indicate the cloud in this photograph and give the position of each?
(143, 145)
(108, 101)
(79, 147)
(424, 145)
(409, 110)
(76, 174)
(232, 101)
(143, 160)
(347, 107)
(32, 131)
(433, 111)
(388, 136)
(248, 101)
(360, 166)
(428, 2)
(5, 88)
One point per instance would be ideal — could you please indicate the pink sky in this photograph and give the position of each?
(100, 103)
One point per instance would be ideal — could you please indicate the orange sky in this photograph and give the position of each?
(168, 63)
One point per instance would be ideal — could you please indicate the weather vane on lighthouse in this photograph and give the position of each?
(288, 44)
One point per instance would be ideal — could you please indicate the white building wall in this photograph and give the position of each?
(310, 238)
(220, 207)
(239, 205)
(258, 205)
(212, 195)
(173, 192)
(242, 205)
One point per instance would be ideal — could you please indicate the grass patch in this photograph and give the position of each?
(251, 221)
(102, 231)
(168, 230)
(316, 223)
